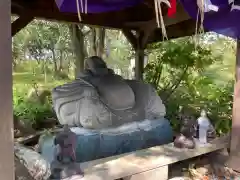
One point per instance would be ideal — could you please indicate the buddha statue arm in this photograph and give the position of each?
(93, 114)
(155, 108)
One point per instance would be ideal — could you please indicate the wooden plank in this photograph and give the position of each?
(234, 161)
(144, 160)
(154, 174)
(6, 126)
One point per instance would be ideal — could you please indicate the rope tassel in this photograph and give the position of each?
(81, 6)
(201, 11)
(159, 16)
(201, 7)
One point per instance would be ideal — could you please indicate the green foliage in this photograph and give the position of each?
(183, 75)
(32, 113)
(174, 61)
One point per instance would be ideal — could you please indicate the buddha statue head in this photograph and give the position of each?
(97, 66)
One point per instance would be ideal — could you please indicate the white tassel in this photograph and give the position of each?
(82, 5)
(83, 8)
(159, 15)
(201, 10)
(78, 9)
(86, 6)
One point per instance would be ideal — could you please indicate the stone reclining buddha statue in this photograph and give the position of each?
(109, 114)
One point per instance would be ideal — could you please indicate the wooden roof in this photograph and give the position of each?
(140, 17)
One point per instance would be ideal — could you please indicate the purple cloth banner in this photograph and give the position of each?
(221, 16)
(96, 6)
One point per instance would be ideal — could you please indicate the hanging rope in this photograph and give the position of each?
(159, 16)
(201, 10)
(86, 6)
(82, 7)
(78, 9)
(200, 29)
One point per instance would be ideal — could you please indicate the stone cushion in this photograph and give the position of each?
(96, 144)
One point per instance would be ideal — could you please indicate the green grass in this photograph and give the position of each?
(32, 113)
(26, 76)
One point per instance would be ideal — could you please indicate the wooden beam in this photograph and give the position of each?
(130, 37)
(153, 174)
(181, 15)
(234, 160)
(20, 23)
(182, 29)
(171, 23)
(6, 114)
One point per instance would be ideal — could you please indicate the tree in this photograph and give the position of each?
(48, 40)
(97, 41)
(86, 42)
(77, 37)
(175, 61)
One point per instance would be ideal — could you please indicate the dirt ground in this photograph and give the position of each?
(207, 167)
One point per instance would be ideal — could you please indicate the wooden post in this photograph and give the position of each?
(139, 56)
(6, 115)
(139, 63)
(138, 43)
(234, 160)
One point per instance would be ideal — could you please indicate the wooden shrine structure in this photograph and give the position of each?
(139, 26)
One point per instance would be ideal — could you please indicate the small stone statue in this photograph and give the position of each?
(185, 138)
(64, 164)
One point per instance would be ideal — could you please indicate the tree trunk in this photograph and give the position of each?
(38, 60)
(61, 61)
(54, 61)
(77, 37)
(93, 42)
(97, 42)
(14, 65)
(101, 41)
